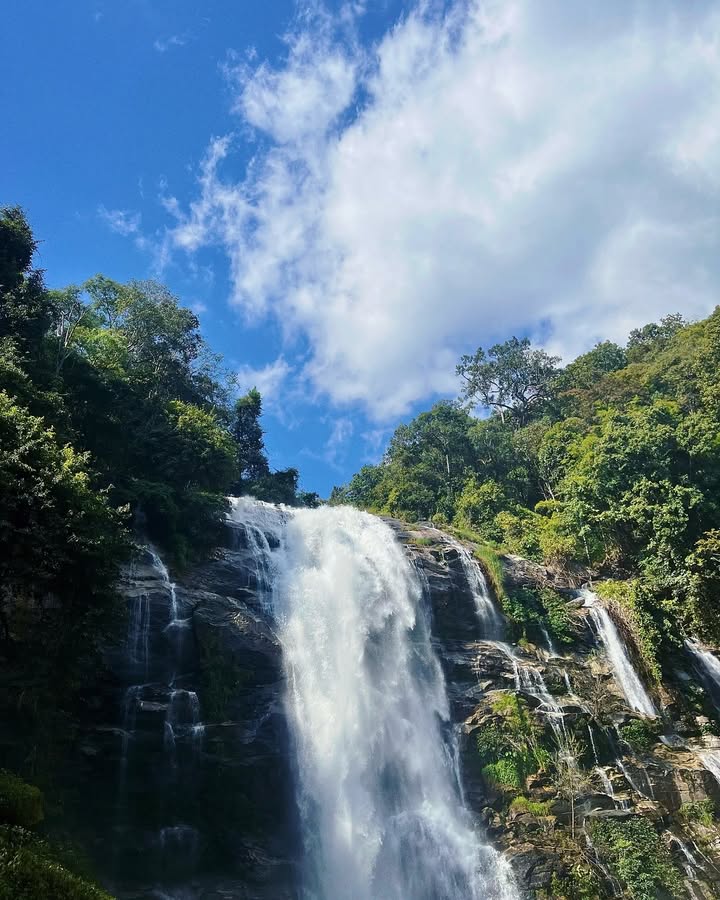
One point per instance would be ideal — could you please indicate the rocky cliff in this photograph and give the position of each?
(187, 779)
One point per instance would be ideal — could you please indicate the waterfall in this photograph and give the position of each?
(156, 709)
(711, 760)
(530, 681)
(632, 687)
(548, 640)
(491, 621)
(382, 815)
(707, 666)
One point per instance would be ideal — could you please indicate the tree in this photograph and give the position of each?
(653, 336)
(25, 306)
(512, 379)
(252, 463)
(589, 368)
(69, 313)
(570, 780)
(60, 543)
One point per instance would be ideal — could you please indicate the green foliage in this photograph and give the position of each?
(579, 883)
(702, 812)
(638, 857)
(703, 565)
(25, 307)
(491, 564)
(512, 379)
(540, 606)
(113, 413)
(478, 505)
(508, 773)
(250, 447)
(653, 337)
(508, 748)
(522, 805)
(20, 803)
(60, 543)
(612, 464)
(640, 735)
(31, 869)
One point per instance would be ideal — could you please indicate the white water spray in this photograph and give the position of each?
(381, 812)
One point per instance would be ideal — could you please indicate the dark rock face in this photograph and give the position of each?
(185, 759)
(187, 777)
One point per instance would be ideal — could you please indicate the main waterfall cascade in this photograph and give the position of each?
(381, 811)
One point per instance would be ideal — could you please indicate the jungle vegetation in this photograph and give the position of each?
(609, 464)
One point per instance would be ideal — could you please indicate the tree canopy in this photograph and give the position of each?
(611, 463)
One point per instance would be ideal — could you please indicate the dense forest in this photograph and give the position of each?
(116, 420)
(610, 464)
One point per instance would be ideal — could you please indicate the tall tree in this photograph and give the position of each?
(25, 306)
(252, 462)
(512, 379)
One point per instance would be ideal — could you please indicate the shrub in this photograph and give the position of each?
(638, 857)
(640, 735)
(492, 567)
(541, 606)
(30, 870)
(509, 748)
(700, 811)
(531, 807)
(580, 883)
(491, 743)
(20, 803)
(505, 774)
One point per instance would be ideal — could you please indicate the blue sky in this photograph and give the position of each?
(352, 194)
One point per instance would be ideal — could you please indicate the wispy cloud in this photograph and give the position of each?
(122, 221)
(162, 45)
(335, 449)
(505, 166)
(336, 444)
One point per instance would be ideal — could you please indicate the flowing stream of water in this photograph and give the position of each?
(630, 683)
(492, 623)
(382, 814)
(154, 655)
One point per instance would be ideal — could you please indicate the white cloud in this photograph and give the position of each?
(122, 221)
(510, 167)
(268, 379)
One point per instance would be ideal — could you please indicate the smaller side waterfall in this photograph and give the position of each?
(530, 681)
(161, 733)
(632, 687)
(711, 760)
(707, 666)
(491, 621)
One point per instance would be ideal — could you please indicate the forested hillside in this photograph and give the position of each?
(116, 420)
(611, 464)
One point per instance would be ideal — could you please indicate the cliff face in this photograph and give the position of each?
(183, 756)
(627, 767)
(186, 772)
